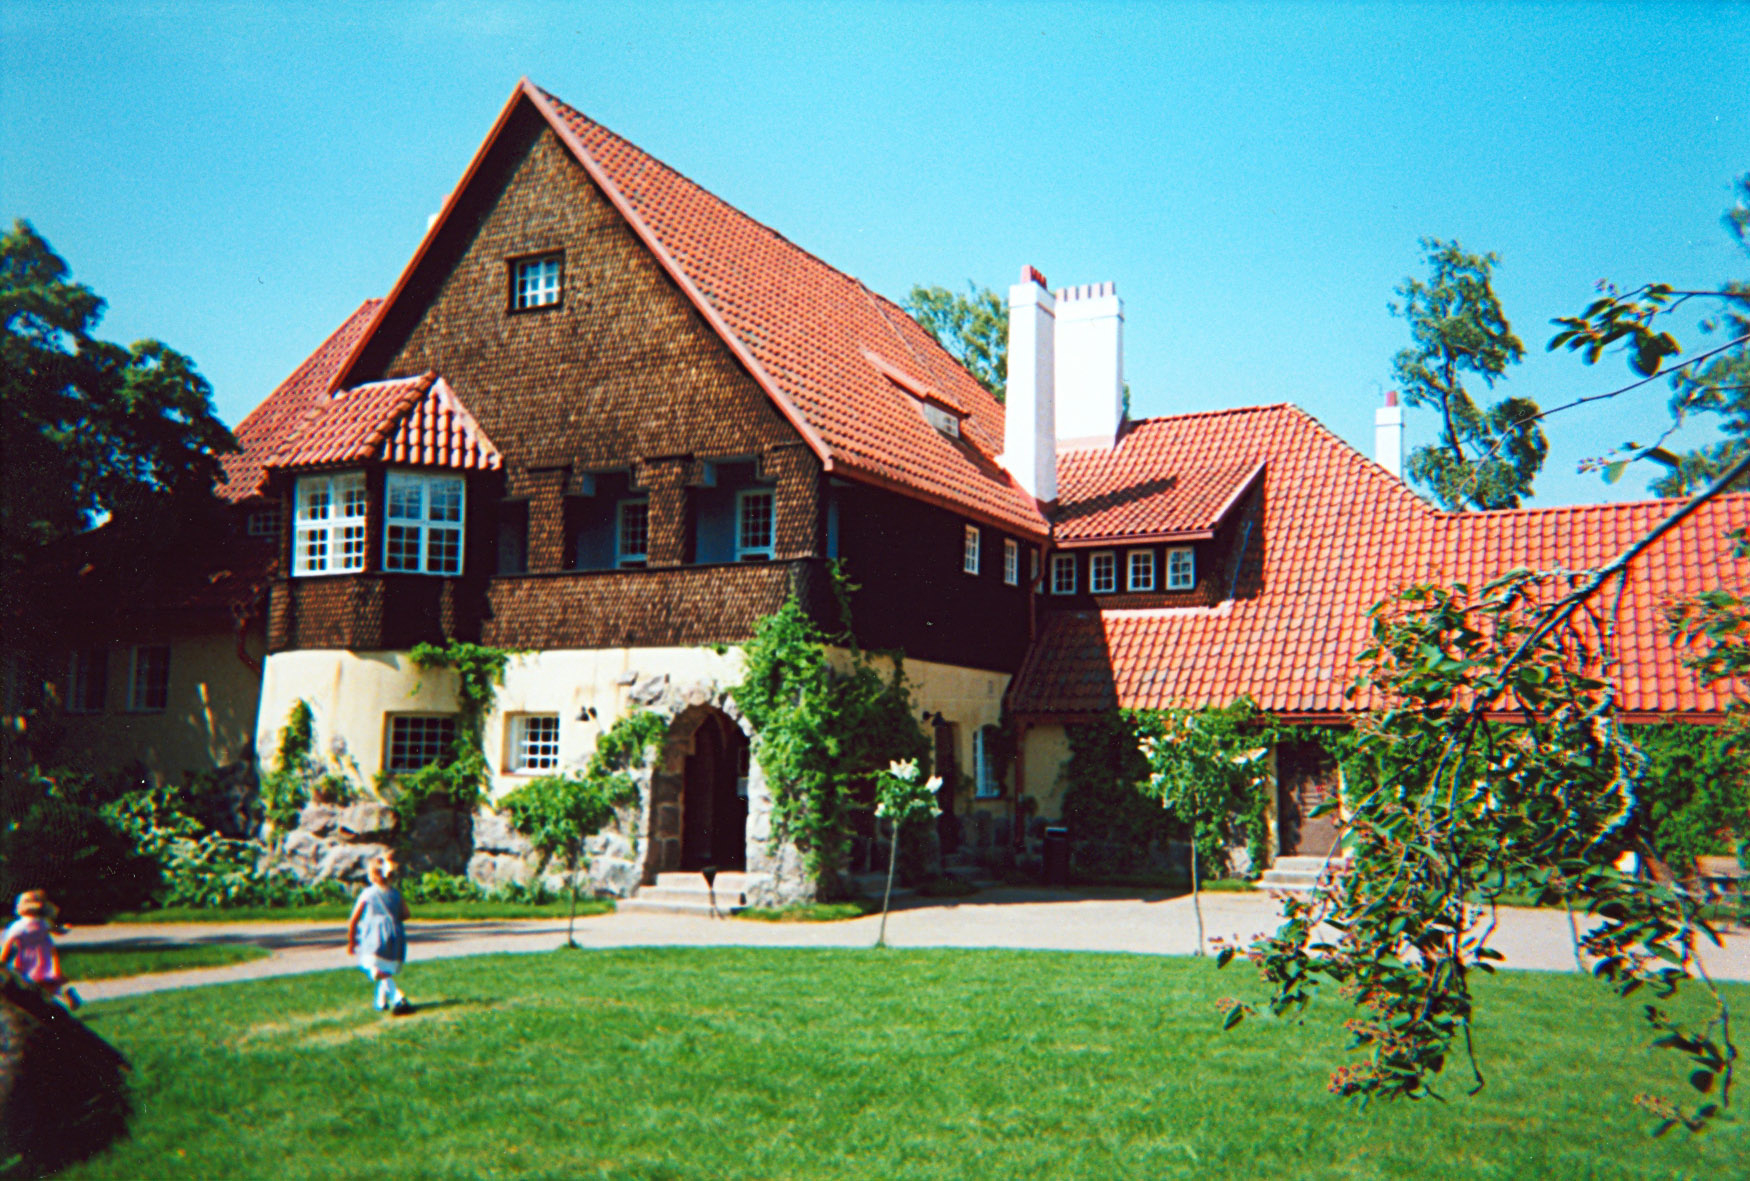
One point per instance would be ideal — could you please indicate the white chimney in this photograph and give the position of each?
(1388, 435)
(1090, 366)
(1029, 420)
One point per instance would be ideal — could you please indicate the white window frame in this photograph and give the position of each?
(984, 778)
(623, 557)
(1011, 561)
(1181, 568)
(1103, 581)
(1059, 564)
(969, 550)
(80, 681)
(329, 530)
(390, 763)
(754, 553)
(536, 282)
(534, 744)
(1140, 569)
(141, 698)
(423, 524)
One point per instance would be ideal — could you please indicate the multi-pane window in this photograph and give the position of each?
(984, 766)
(88, 681)
(419, 740)
(1103, 572)
(1011, 561)
(1181, 569)
(1063, 574)
(534, 742)
(149, 679)
(535, 282)
(422, 524)
(753, 525)
(1142, 569)
(263, 522)
(329, 537)
(632, 533)
(969, 553)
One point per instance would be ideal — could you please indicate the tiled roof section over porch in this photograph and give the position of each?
(1337, 535)
(415, 421)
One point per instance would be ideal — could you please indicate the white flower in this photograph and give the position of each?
(906, 769)
(935, 784)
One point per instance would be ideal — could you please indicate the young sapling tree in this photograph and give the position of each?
(899, 800)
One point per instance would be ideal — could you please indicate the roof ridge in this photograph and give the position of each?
(1587, 506)
(1215, 413)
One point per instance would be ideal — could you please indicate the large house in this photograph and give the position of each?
(609, 421)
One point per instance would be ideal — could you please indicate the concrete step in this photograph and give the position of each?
(730, 884)
(641, 904)
(687, 893)
(1298, 875)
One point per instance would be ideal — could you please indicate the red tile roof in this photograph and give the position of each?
(263, 431)
(1156, 483)
(416, 421)
(801, 328)
(1337, 535)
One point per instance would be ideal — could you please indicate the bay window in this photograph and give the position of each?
(329, 537)
(422, 523)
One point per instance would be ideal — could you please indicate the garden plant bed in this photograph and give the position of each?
(730, 1063)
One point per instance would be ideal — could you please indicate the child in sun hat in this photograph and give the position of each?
(376, 934)
(29, 946)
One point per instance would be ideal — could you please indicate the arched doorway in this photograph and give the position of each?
(714, 796)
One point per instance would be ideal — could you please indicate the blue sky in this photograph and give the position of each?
(235, 178)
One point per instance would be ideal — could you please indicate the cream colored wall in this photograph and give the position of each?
(350, 694)
(967, 697)
(208, 722)
(1044, 754)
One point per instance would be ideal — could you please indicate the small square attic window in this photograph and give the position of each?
(941, 419)
(534, 282)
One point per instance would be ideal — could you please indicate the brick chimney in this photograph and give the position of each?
(1388, 435)
(1090, 366)
(1029, 421)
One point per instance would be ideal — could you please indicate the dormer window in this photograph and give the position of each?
(329, 537)
(423, 524)
(943, 420)
(1063, 574)
(535, 282)
(753, 525)
(1142, 569)
(1181, 569)
(632, 534)
(1103, 572)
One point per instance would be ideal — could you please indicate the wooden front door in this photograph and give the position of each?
(714, 803)
(1305, 779)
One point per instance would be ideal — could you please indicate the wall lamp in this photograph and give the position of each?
(586, 714)
(933, 719)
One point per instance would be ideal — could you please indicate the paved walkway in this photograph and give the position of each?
(1011, 918)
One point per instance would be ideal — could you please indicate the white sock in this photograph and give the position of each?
(385, 987)
(396, 998)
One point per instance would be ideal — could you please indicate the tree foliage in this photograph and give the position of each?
(558, 813)
(1209, 767)
(821, 732)
(1485, 457)
(87, 426)
(974, 328)
(1495, 766)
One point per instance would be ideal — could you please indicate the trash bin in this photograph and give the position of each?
(1057, 856)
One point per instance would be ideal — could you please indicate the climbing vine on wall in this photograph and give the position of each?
(457, 780)
(821, 732)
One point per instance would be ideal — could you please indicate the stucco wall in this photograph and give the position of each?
(1044, 754)
(207, 723)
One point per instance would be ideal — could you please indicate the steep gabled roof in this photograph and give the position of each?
(798, 326)
(1337, 535)
(417, 421)
(266, 428)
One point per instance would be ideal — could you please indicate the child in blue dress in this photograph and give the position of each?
(376, 934)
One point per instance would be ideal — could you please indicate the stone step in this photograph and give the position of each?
(1298, 875)
(729, 883)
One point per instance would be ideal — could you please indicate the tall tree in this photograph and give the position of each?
(974, 328)
(1722, 385)
(1484, 458)
(87, 426)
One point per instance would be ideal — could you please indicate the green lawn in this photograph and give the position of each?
(100, 963)
(744, 1063)
(330, 911)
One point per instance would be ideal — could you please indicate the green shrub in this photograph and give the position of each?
(51, 839)
(1693, 799)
